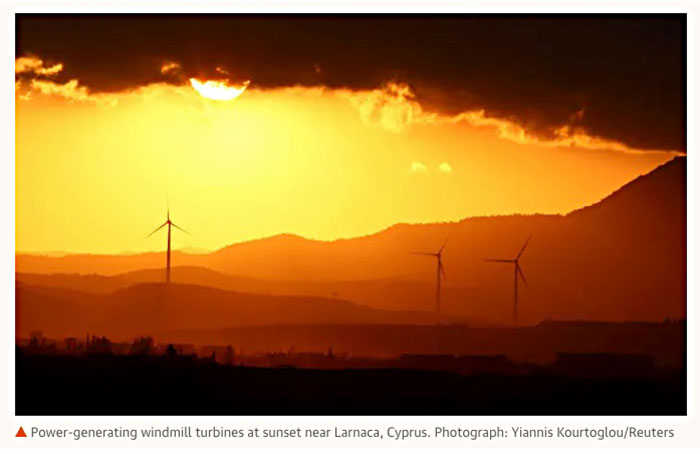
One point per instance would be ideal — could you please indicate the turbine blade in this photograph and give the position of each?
(161, 226)
(522, 276)
(179, 228)
(424, 253)
(499, 260)
(524, 246)
(442, 247)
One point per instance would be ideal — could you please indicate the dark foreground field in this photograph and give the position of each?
(129, 385)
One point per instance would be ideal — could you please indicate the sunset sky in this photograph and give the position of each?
(327, 127)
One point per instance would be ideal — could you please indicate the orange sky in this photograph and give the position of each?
(94, 172)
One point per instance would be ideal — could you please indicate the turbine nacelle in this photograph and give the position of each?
(518, 273)
(440, 270)
(170, 224)
(515, 261)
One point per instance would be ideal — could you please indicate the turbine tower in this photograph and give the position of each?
(517, 271)
(440, 272)
(170, 224)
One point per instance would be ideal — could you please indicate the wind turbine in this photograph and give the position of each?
(440, 271)
(170, 224)
(516, 270)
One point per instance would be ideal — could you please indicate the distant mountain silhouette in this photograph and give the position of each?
(96, 283)
(623, 258)
(396, 294)
(147, 308)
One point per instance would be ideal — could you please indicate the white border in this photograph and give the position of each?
(686, 427)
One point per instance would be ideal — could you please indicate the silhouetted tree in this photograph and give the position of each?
(100, 345)
(142, 346)
(228, 359)
(170, 350)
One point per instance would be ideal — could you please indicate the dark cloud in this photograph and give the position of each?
(625, 73)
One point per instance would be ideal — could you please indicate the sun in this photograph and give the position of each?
(219, 90)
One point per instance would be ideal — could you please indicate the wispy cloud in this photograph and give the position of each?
(169, 67)
(565, 136)
(395, 108)
(445, 167)
(71, 91)
(35, 65)
(418, 167)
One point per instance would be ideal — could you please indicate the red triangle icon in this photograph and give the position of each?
(20, 433)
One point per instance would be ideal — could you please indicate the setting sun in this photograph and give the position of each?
(218, 90)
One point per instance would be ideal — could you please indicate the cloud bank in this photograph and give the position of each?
(618, 79)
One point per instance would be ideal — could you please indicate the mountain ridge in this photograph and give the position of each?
(290, 235)
(145, 308)
(623, 258)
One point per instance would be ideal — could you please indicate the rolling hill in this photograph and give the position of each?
(623, 258)
(147, 308)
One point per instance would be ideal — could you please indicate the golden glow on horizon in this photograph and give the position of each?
(218, 90)
(317, 162)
